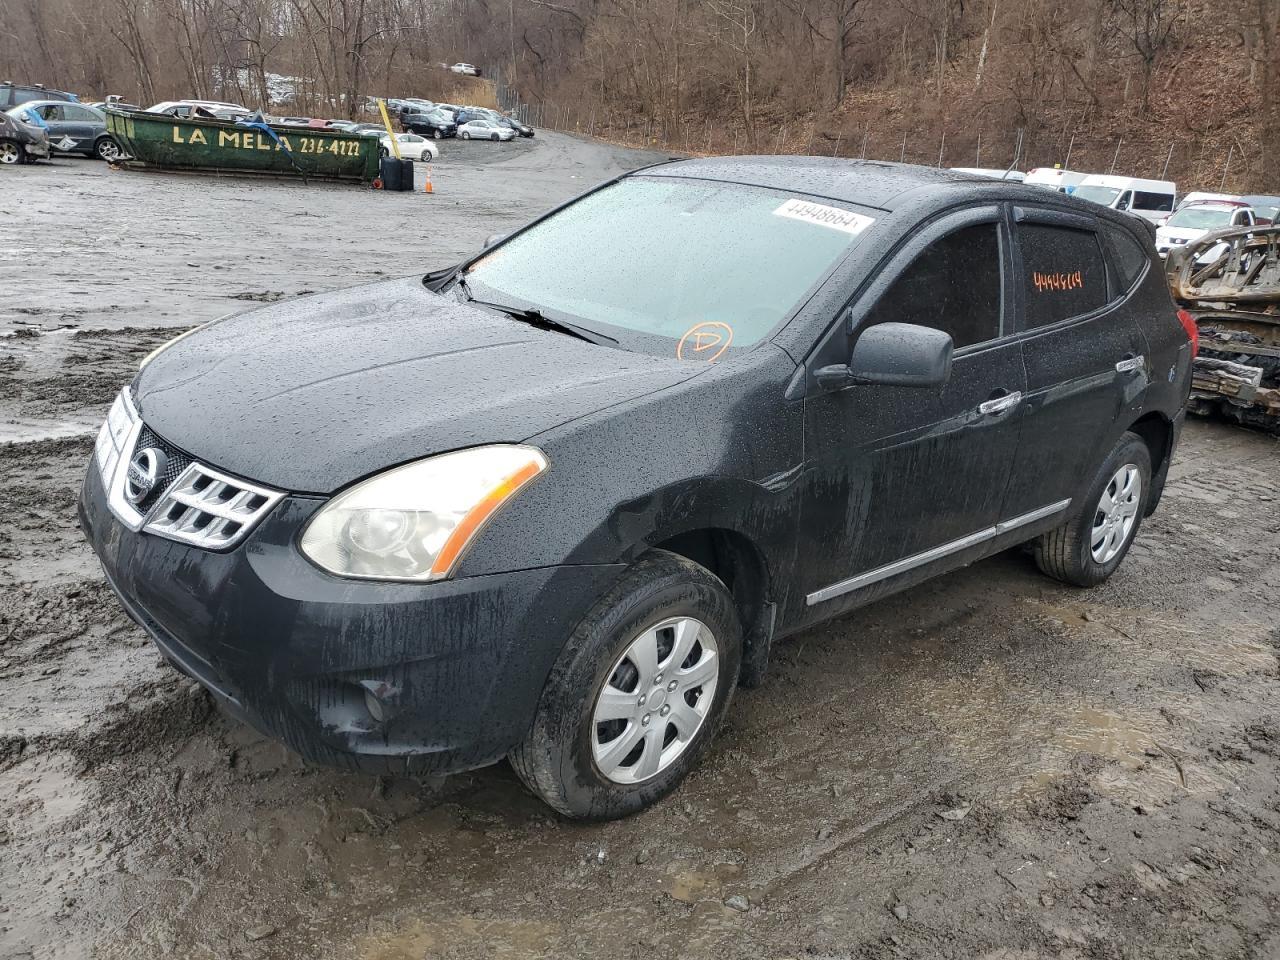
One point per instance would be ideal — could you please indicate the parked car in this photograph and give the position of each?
(412, 147)
(1196, 196)
(1194, 220)
(1055, 178)
(434, 123)
(523, 129)
(466, 69)
(1017, 176)
(14, 94)
(1149, 199)
(485, 130)
(197, 108)
(559, 500)
(72, 127)
(21, 142)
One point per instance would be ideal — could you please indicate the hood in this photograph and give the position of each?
(311, 394)
(1179, 233)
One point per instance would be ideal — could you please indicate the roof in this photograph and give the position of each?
(869, 183)
(1115, 180)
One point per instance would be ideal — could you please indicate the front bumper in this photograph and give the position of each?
(455, 668)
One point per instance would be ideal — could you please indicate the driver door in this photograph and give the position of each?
(903, 479)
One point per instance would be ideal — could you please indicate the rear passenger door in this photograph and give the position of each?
(1084, 354)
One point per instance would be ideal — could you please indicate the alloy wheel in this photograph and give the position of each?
(1116, 513)
(655, 700)
(10, 152)
(108, 150)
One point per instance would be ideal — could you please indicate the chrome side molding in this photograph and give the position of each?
(936, 553)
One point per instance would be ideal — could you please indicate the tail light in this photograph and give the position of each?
(1193, 332)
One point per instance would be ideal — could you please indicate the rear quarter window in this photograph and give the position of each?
(1129, 258)
(1063, 274)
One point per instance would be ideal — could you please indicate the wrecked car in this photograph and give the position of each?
(21, 142)
(1228, 282)
(557, 502)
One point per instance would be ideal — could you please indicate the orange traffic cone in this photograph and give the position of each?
(377, 183)
(428, 188)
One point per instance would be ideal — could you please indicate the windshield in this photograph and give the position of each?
(672, 258)
(1201, 218)
(1098, 194)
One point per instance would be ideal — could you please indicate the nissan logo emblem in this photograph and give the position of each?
(144, 472)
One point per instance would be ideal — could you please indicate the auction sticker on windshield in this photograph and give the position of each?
(833, 217)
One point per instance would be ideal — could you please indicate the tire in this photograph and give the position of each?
(660, 594)
(12, 153)
(465, 135)
(106, 150)
(495, 138)
(1078, 552)
(437, 134)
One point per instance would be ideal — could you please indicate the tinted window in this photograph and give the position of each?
(1062, 273)
(26, 96)
(1129, 255)
(1152, 201)
(954, 285)
(83, 114)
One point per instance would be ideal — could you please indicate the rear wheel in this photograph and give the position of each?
(637, 693)
(11, 152)
(1089, 547)
(107, 150)
(437, 134)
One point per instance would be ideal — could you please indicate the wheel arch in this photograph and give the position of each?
(739, 562)
(1159, 434)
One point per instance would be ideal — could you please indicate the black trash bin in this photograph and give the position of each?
(396, 174)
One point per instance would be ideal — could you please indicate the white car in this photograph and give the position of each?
(466, 69)
(485, 130)
(185, 108)
(1193, 221)
(412, 147)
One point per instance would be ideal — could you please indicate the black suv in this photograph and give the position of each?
(15, 94)
(430, 123)
(558, 501)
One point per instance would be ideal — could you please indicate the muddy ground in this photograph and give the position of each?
(993, 765)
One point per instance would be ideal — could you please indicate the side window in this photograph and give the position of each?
(953, 285)
(1125, 199)
(79, 114)
(1129, 256)
(1062, 273)
(1152, 201)
(52, 111)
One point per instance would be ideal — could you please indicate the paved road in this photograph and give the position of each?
(992, 765)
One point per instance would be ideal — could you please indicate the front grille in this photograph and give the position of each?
(188, 501)
(210, 509)
(175, 462)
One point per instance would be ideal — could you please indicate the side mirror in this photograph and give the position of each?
(492, 239)
(895, 354)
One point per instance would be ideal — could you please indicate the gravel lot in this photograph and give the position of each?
(992, 765)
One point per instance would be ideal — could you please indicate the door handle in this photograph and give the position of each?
(1130, 363)
(1000, 404)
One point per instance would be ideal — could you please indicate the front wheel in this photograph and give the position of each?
(637, 693)
(1089, 547)
(465, 135)
(437, 134)
(11, 152)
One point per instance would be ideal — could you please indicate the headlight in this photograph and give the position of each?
(414, 522)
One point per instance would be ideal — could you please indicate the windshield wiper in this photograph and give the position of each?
(535, 318)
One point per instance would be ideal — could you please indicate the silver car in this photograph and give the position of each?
(21, 142)
(484, 130)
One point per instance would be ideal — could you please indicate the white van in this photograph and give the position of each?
(1055, 178)
(1150, 199)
